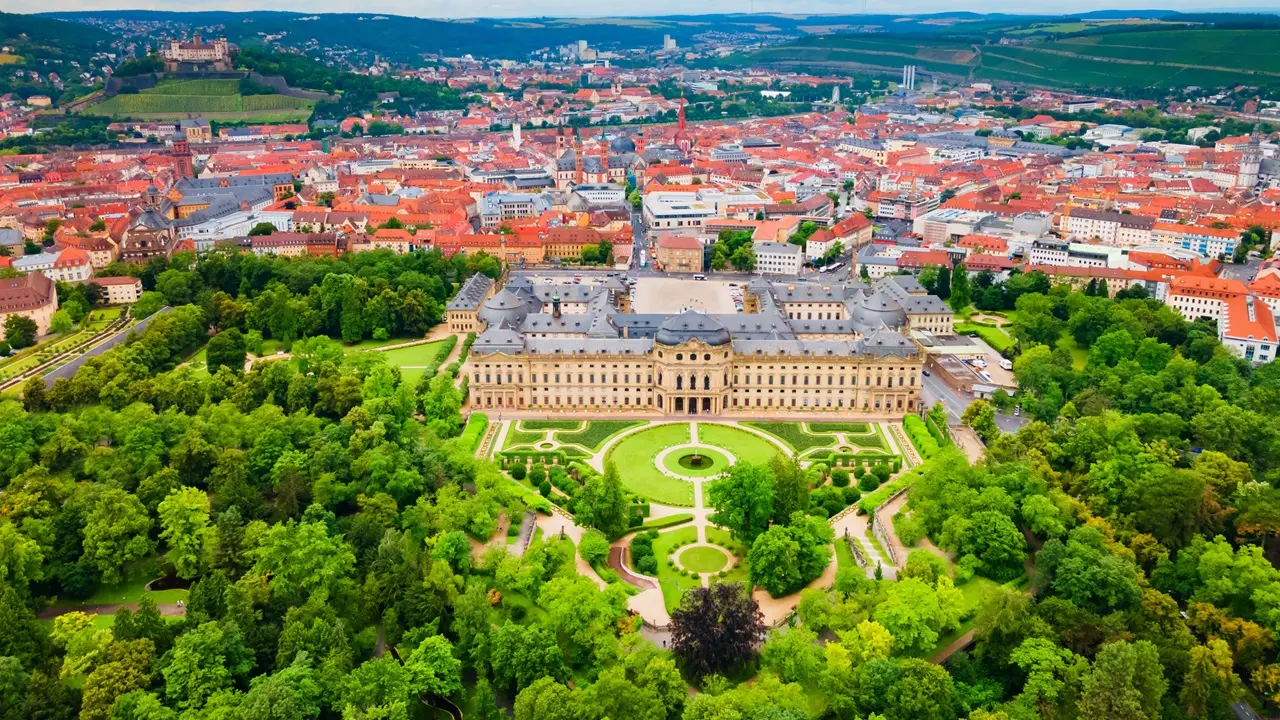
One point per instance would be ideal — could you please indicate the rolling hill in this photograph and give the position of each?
(407, 38)
(1128, 59)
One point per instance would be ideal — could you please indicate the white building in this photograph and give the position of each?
(120, 290)
(1110, 228)
(665, 211)
(773, 258)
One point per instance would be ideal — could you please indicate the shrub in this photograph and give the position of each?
(910, 529)
(593, 548)
(537, 474)
(647, 565)
(869, 482)
(840, 477)
(518, 472)
(513, 529)
(882, 473)
(859, 471)
(517, 612)
(609, 575)
(544, 488)
(851, 494)
(924, 442)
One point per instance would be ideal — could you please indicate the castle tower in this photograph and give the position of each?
(181, 153)
(1250, 162)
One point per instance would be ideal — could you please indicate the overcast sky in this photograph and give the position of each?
(587, 8)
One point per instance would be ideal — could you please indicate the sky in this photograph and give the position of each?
(589, 8)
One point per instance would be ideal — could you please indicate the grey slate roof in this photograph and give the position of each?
(472, 293)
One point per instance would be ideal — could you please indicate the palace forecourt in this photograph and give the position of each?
(838, 349)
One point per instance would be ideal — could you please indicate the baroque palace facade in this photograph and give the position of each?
(801, 347)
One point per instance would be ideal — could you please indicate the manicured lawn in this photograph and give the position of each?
(673, 582)
(703, 559)
(413, 356)
(516, 436)
(844, 556)
(745, 446)
(680, 463)
(551, 424)
(874, 440)
(723, 538)
(859, 428)
(131, 590)
(635, 457)
(793, 434)
(998, 339)
(667, 521)
(596, 432)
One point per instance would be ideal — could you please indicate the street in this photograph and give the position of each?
(934, 390)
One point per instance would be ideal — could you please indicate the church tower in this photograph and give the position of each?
(1250, 162)
(684, 141)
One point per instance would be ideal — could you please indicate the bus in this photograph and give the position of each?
(644, 259)
(833, 268)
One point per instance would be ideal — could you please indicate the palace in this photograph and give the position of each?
(542, 352)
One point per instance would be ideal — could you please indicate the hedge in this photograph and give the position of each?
(923, 441)
(545, 457)
(474, 431)
(864, 459)
(668, 521)
(942, 437)
(873, 500)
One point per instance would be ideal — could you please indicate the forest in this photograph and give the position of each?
(323, 522)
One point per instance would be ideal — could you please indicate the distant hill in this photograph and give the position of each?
(36, 38)
(1110, 57)
(407, 38)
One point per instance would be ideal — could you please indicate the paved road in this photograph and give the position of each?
(1244, 272)
(935, 390)
(69, 370)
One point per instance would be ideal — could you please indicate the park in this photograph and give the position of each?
(670, 470)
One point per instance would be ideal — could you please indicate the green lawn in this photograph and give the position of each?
(793, 434)
(131, 590)
(596, 432)
(844, 556)
(635, 457)
(667, 521)
(551, 424)
(703, 559)
(516, 436)
(673, 582)
(414, 355)
(717, 465)
(745, 446)
(723, 538)
(998, 339)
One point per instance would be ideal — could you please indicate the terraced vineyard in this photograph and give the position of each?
(1156, 58)
(209, 98)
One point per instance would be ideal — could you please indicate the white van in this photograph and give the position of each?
(1006, 363)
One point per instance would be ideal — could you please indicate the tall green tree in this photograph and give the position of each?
(744, 500)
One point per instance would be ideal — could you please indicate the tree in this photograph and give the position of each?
(433, 670)
(787, 557)
(521, 654)
(744, 258)
(116, 533)
(19, 331)
(146, 305)
(545, 699)
(60, 322)
(303, 558)
(744, 501)
(790, 488)
(942, 288)
(793, 654)
(203, 661)
(982, 418)
(262, 228)
(226, 349)
(127, 668)
(184, 526)
(960, 288)
(912, 614)
(1126, 681)
(716, 629)
(1211, 681)
(605, 502)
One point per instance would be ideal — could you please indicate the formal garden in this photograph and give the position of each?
(666, 468)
